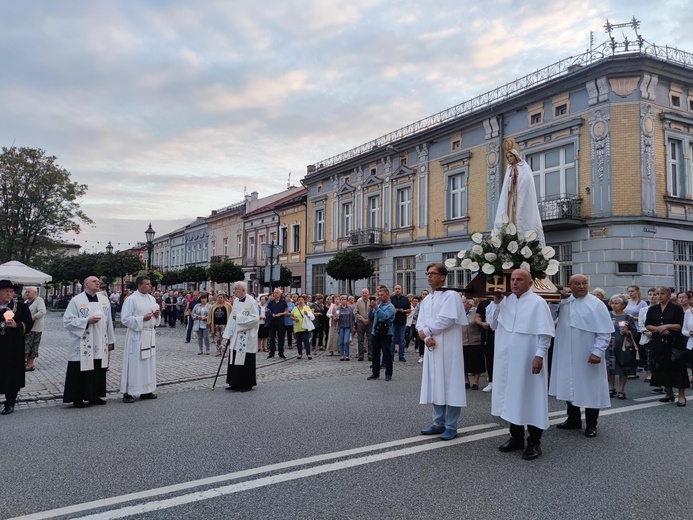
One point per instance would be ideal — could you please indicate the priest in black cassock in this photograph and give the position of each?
(15, 322)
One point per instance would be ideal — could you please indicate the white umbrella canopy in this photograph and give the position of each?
(19, 273)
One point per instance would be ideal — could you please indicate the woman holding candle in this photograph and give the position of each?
(621, 353)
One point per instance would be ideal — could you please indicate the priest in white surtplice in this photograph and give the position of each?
(88, 320)
(241, 336)
(578, 368)
(524, 328)
(518, 198)
(440, 322)
(141, 315)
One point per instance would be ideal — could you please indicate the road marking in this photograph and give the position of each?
(107, 502)
(198, 496)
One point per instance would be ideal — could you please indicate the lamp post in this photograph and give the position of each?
(150, 246)
(109, 248)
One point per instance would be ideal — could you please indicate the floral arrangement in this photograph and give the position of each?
(504, 249)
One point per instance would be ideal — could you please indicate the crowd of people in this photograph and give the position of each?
(573, 350)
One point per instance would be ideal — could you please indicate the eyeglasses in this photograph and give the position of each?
(433, 273)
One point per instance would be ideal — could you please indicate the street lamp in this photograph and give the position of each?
(150, 246)
(109, 248)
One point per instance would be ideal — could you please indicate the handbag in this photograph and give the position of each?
(382, 329)
(307, 321)
(678, 355)
(628, 355)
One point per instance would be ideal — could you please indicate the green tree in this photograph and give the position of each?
(118, 265)
(38, 203)
(351, 265)
(225, 272)
(70, 269)
(172, 278)
(194, 274)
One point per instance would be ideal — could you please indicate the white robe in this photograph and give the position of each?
(88, 342)
(139, 356)
(584, 327)
(528, 217)
(524, 328)
(242, 328)
(441, 317)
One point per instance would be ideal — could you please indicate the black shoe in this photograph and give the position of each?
(270, 356)
(150, 395)
(127, 398)
(475, 387)
(667, 399)
(245, 389)
(361, 358)
(231, 388)
(532, 451)
(570, 424)
(403, 360)
(98, 400)
(678, 403)
(282, 356)
(591, 431)
(467, 386)
(388, 378)
(372, 376)
(382, 365)
(80, 404)
(512, 444)
(7, 410)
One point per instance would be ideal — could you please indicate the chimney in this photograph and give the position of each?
(253, 195)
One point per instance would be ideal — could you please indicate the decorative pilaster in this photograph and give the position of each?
(647, 163)
(600, 160)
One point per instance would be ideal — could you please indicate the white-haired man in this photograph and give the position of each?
(241, 336)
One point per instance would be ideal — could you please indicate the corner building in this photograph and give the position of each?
(608, 135)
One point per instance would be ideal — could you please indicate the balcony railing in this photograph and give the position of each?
(560, 207)
(217, 259)
(367, 236)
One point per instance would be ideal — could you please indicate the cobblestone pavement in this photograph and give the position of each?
(179, 367)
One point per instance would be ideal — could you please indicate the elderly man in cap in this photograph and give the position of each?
(15, 322)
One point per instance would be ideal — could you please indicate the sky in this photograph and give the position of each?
(169, 109)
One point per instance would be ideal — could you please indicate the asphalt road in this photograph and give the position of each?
(336, 447)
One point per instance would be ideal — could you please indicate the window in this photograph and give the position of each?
(403, 207)
(214, 248)
(347, 218)
(261, 240)
(535, 119)
(374, 171)
(251, 248)
(676, 178)
(374, 280)
(456, 201)
(555, 174)
(295, 238)
(318, 279)
(683, 265)
(239, 246)
(319, 228)
(403, 159)
(676, 101)
(405, 273)
(373, 208)
(456, 145)
(319, 188)
(561, 110)
(690, 104)
(284, 241)
(564, 256)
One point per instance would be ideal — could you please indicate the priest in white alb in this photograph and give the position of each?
(88, 320)
(524, 328)
(440, 322)
(241, 336)
(141, 315)
(518, 198)
(578, 367)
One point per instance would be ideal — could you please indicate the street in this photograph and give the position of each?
(316, 440)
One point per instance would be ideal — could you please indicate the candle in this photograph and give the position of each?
(621, 323)
(8, 314)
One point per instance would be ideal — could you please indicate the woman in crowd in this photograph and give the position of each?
(329, 301)
(620, 355)
(345, 320)
(665, 322)
(199, 318)
(216, 320)
(318, 308)
(687, 332)
(471, 347)
(333, 320)
(645, 334)
(683, 299)
(263, 332)
(301, 334)
(635, 302)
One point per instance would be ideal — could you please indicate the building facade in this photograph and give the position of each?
(292, 238)
(608, 135)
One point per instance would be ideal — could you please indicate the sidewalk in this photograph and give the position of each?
(177, 364)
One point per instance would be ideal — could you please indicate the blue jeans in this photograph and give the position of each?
(343, 341)
(203, 335)
(398, 330)
(446, 416)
